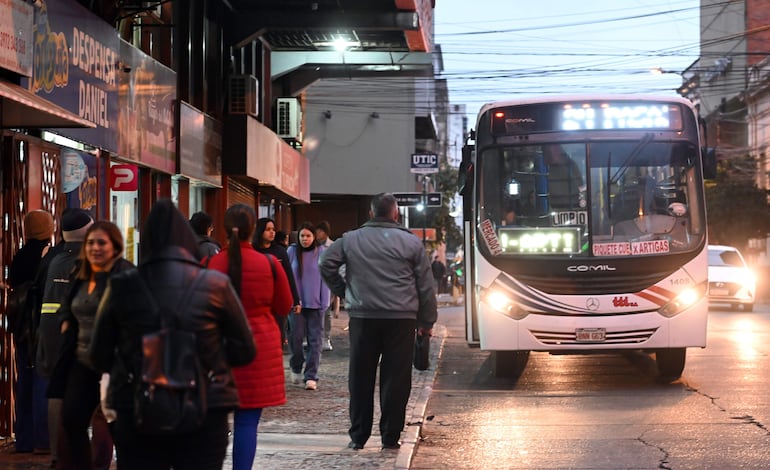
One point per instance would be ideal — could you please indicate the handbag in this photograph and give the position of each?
(421, 358)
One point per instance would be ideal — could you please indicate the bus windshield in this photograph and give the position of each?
(590, 198)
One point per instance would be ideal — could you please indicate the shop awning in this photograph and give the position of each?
(20, 108)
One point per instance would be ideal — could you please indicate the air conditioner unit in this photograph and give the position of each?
(288, 119)
(243, 94)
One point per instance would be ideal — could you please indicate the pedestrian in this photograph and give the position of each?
(265, 293)
(24, 277)
(101, 257)
(265, 242)
(168, 267)
(438, 268)
(323, 239)
(388, 292)
(74, 224)
(203, 226)
(282, 238)
(307, 323)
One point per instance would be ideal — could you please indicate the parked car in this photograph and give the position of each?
(730, 279)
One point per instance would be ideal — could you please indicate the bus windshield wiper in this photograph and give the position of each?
(648, 137)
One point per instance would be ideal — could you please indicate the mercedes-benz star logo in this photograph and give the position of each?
(592, 303)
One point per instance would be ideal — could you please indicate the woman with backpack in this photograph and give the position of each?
(132, 312)
(265, 293)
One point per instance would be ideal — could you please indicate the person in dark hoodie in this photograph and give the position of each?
(31, 408)
(74, 224)
(203, 226)
(223, 337)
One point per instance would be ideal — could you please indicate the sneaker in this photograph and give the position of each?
(296, 378)
(327, 345)
(311, 385)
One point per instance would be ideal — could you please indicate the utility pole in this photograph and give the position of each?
(425, 182)
(424, 212)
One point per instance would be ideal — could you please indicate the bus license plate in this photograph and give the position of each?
(718, 292)
(590, 335)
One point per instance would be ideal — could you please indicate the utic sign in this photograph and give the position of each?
(424, 163)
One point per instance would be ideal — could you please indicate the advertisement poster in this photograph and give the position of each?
(200, 145)
(76, 67)
(79, 183)
(147, 96)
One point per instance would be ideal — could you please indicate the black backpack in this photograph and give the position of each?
(170, 391)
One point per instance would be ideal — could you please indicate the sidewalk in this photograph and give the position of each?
(310, 431)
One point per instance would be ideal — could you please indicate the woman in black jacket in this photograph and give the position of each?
(264, 242)
(213, 313)
(101, 256)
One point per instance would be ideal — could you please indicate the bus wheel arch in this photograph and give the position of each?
(670, 362)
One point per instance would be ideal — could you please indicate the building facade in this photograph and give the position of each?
(114, 105)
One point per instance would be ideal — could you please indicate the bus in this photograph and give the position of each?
(585, 229)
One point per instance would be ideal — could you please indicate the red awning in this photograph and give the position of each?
(20, 108)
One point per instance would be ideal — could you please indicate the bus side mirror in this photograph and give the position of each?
(465, 172)
(709, 162)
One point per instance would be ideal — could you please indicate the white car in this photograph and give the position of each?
(730, 279)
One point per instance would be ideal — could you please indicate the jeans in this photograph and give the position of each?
(306, 324)
(31, 424)
(245, 424)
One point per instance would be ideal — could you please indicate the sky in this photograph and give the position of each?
(507, 49)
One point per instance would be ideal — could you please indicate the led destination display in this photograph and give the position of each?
(585, 115)
(552, 240)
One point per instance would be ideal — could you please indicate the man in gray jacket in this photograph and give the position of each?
(388, 292)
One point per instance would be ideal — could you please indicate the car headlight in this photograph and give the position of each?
(747, 279)
(501, 302)
(684, 300)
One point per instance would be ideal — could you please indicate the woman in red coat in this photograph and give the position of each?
(264, 291)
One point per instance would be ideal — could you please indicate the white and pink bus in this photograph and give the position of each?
(585, 229)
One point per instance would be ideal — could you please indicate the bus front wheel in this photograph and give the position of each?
(509, 364)
(670, 362)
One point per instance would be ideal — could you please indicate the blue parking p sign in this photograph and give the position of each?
(424, 163)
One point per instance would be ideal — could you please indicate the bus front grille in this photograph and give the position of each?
(558, 338)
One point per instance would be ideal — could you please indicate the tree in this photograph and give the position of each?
(446, 228)
(736, 208)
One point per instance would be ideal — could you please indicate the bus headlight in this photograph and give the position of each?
(500, 302)
(684, 300)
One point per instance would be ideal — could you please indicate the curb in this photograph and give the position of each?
(419, 401)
